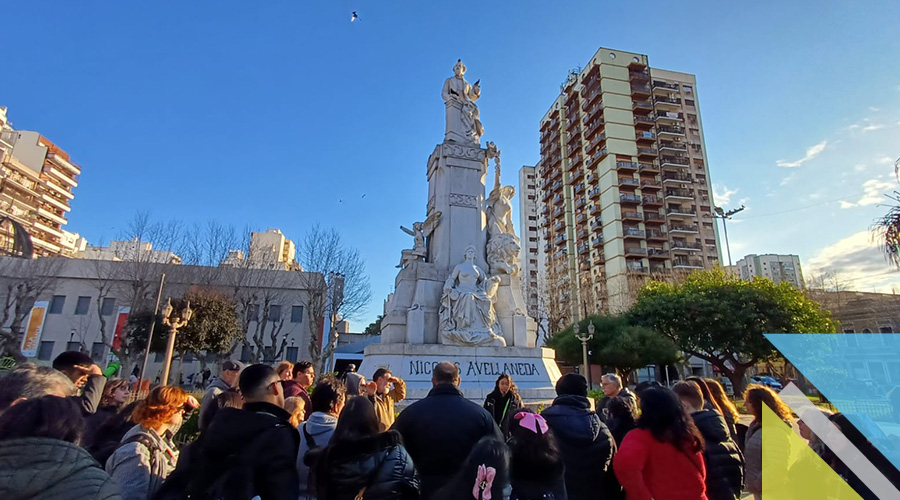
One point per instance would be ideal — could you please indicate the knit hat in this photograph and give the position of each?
(571, 384)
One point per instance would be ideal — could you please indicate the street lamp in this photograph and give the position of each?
(722, 214)
(173, 322)
(584, 350)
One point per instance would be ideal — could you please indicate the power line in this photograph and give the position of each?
(843, 198)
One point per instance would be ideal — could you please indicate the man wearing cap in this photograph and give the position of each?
(225, 381)
(585, 443)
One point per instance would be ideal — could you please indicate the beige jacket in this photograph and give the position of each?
(384, 405)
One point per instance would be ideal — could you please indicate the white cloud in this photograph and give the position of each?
(884, 160)
(723, 197)
(787, 180)
(858, 262)
(874, 109)
(811, 153)
(874, 126)
(859, 167)
(874, 190)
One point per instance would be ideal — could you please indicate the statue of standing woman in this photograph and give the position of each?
(467, 314)
(463, 119)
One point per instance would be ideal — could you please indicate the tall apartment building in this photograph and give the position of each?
(36, 183)
(268, 250)
(532, 255)
(624, 182)
(777, 268)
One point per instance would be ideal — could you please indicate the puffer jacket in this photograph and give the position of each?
(140, 469)
(586, 446)
(724, 462)
(378, 463)
(778, 456)
(50, 469)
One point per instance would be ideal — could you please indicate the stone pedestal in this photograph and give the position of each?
(534, 370)
(518, 329)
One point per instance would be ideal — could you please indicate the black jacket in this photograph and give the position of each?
(533, 481)
(502, 408)
(587, 448)
(626, 395)
(254, 449)
(724, 462)
(378, 463)
(440, 431)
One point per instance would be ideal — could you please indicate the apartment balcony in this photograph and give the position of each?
(590, 178)
(595, 112)
(596, 141)
(636, 268)
(595, 210)
(545, 195)
(663, 85)
(43, 212)
(646, 153)
(596, 223)
(580, 218)
(576, 175)
(653, 185)
(582, 233)
(652, 200)
(592, 128)
(632, 216)
(658, 269)
(557, 200)
(628, 199)
(584, 249)
(643, 107)
(65, 193)
(666, 101)
(576, 161)
(578, 188)
(626, 166)
(654, 218)
(594, 194)
(631, 232)
(48, 229)
(63, 177)
(638, 75)
(669, 117)
(673, 161)
(64, 163)
(558, 212)
(680, 212)
(597, 242)
(635, 251)
(597, 156)
(670, 130)
(641, 91)
(681, 263)
(672, 146)
(628, 181)
(657, 253)
(679, 194)
(645, 137)
(685, 246)
(689, 229)
(558, 226)
(657, 235)
(580, 202)
(648, 167)
(553, 161)
(557, 186)
(644, 121)
(677, 178)
(45, 244)
(55, 202)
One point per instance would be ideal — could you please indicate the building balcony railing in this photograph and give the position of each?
(632, 215)
(597, 156)
(642, 105)
(580, 218)
(657, 252)
(589, 178)
(678, 211)
(592, 127)
(630, 181)
(663, 85)
(583, 249)
(644, 119)
(594, 193)
(684, 229)
(557, 212)
(647, 152)
(595, 210)
(684, 245)
(557, 199)
(635, 251)
(629, 198)
(580, 202)
(643, 75)
(595, 142)
(597, 242)
(689, 263)
(637, 89)
(669, 115)
(630, 231)
(673, 161)
(652, 200)
(656, 235)
(626, 165)
(680, 193)
(578, 188)
(577, 174)
(648, 167)
(647, 184)
(670, 130)
(676, 146)
(679, 178)
(666, 100)
(654, 217)
(596, 223)
(644, 136)
(637, 268)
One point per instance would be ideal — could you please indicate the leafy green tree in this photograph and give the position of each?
(616, 344)
(374, 328)
(214, 327)
(722, 319)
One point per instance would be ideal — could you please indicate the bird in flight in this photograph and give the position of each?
(354, 17)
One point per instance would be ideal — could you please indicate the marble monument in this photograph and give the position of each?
(458, 293)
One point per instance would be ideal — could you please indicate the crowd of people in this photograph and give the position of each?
(279, 433)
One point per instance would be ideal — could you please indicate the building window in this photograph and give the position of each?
(157, 357)
(73, 346)
(688, 89)
(275, 313)
(82, 306)
(56, 304)
(245, 354)
(108, 307)
(293, 354)
(98, 351)
(297, 314)
(253, 312)
(689, 102)
(885, 329)
(45, 352)
(188, 358)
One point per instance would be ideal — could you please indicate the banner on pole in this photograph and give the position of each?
(34, 328)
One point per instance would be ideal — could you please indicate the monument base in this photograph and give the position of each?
(534, 369)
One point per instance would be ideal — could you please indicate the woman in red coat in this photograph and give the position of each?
(663, 458)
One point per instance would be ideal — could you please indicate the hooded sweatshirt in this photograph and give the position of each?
(216, 387)
(140, 470)
(51, 469)
(320, 426)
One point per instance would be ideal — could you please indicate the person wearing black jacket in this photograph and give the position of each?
(585, 443)
(244, 452)
(87, 377)
(724, 461)
(362, 460)
(440, 430)
(503, 402)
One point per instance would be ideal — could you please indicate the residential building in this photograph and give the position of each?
(36, 183)
(133, 250)
(624, 183)
(268, 250)
(777, 268)
(531, 254)
(85, 299)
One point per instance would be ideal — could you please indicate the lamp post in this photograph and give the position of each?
(722, 214)
(584, 350)
(173, 322)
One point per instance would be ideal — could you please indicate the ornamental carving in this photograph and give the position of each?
(465, 152)
(463, 200)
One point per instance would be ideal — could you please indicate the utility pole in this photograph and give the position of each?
(722, 214)
(162, 281)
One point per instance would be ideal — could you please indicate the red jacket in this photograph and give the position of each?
(650, 470)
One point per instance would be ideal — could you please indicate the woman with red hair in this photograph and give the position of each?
(147, 454)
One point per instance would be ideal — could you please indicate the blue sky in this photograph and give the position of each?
(268, 113)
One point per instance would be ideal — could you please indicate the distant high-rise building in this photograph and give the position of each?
(777, 268)
(624, 182)
(532, 253)
(36, 183)
(268, 250)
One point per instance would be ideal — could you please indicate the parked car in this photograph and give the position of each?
(767, 381)
(727, 385)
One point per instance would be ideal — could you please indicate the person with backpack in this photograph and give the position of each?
(327, 401)
(503, 401)
(147, 454)
(536, 466)
(246, 452)
(362, 462)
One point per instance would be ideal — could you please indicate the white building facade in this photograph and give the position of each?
(778, 268)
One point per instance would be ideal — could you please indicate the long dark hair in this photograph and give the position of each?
(513, 390)
(490, 452)
(667, 420)
(48, 417)
(357, 421)
(534, 455)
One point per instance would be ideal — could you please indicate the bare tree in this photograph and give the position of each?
(22, 282)
(336, 276)
(554, 296)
